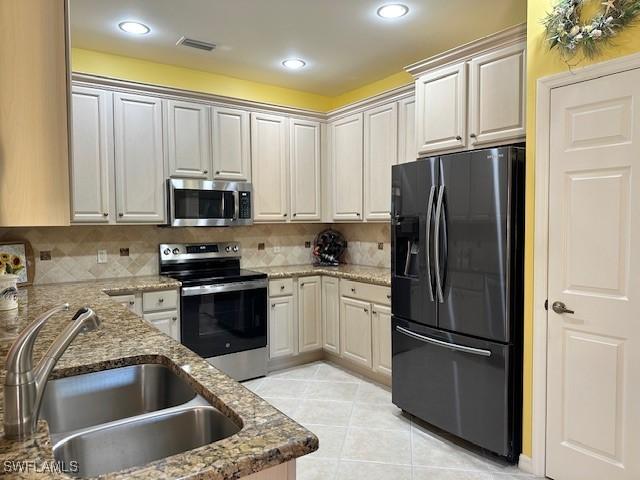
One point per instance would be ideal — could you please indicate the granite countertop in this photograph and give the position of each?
(267, 437)
(358, 273)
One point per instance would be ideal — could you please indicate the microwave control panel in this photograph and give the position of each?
(244, 209)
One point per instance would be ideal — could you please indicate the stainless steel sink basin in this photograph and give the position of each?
(85, 400)
(133, 442)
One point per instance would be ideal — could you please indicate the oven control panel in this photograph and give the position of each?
(193, 251)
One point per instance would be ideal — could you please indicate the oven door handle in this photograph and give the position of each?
(223, 287)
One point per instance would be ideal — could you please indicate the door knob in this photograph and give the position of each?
(560, 308)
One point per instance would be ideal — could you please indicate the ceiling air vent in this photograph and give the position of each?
(199, 44)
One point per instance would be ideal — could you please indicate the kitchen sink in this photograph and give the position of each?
(85, 400)
(133, 442)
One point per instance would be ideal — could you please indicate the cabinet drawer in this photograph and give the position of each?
(162, 300)
(364, 291)
(280, 287)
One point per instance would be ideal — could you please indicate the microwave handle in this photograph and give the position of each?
(236, 205)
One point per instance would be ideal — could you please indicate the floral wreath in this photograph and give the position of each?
(565, 32)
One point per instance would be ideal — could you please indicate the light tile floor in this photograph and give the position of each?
(363, 436)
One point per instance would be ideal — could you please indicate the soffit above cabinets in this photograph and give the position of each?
(345, 44)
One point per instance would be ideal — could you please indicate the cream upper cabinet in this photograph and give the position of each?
(355, 331)
(305, 170)
(309, 314)
(497, 96)
(407, 130)
(380, 154)
(231, 144)
(331, 315)
(381, 338)
(346, 167)
(188, 139)
(269, 166)
(281, 330)
(441, 109)
(139, 158)
(92, 155)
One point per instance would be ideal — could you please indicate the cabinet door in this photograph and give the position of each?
(231, 145)
(380, 154)
(188, 141)
(381, 342)
(139, 159)
(407, 130)
(441, 109)
(309, 314)
(166, 322)
(497, 96)
(355, 331)
(269, 167)
(281, 331)
(92, 155)
(331, 315)
(305, 170)
(346, 167)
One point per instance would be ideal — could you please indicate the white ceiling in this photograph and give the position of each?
(344, 42)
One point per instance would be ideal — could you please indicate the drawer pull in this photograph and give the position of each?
(281, 287)
(132, 302)
(273, 305)
(353, 290)
(388, 296)
(160, 300)
(174, 319)
(366, 310)
(440, 343)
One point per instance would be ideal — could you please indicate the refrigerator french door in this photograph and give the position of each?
(457, 269)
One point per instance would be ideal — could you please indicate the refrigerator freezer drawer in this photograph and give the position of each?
(457, 383)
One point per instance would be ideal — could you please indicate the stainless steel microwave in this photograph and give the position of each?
(203, 203)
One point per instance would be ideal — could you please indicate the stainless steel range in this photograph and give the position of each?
(223, 307)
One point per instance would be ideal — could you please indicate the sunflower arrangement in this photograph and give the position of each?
(10, 264)
(567, 33)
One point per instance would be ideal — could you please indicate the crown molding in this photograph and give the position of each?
(385, 97)
(88, 80)
(511, 35)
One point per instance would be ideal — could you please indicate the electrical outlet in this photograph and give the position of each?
(307, 244)
(102, 256)
(260, 246)
(45, 255)
(276, 249)
(124, 252)
(380, 246)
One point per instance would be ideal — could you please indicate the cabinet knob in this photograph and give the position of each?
(458, 138)
(374, 312)
(473, 135)
(281, 287)
(205, 171)
(131, 302)
(366, 310)
(353, 290)
(105, 214)
(357, 214)
(217, 172)
(121, 214)
(160, 300)
(388, 296)
(273, 305)
(295, 214)
(174, 319)
(284, 215)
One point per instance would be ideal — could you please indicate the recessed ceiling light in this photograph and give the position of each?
(393, 10)
(294, 63)
(136, 28)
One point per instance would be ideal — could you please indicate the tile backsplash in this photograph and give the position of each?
(74, 250)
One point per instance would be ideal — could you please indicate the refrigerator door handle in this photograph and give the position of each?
(452, 346)
(436, 237)
(428, 241)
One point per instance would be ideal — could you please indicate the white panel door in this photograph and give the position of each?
(497, 96)
(231, 145)
(593, 390)
(441, 109)
(407, 130)
(92, 155)
(269, 167)
(346, 167)
(355, 331)
(166, 322)
(381, 338)
(282, 340)
(305, 170)
(331, 315)
(188, 139)
(380, 154)
(309, 314)
(139, 158)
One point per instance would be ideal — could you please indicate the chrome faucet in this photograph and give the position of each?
(24, 385)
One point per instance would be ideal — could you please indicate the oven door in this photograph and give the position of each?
(201, 203)
(227, 318)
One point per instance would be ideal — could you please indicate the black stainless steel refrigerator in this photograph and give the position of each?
(457, 294)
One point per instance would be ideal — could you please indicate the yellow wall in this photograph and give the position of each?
(136, 70)
(541, 63)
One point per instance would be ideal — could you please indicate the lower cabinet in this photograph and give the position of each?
(160, 308)
(281, 332)
(166, 322)
(381, 338)
(309, 314)
(331, 315)
(355, 331)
